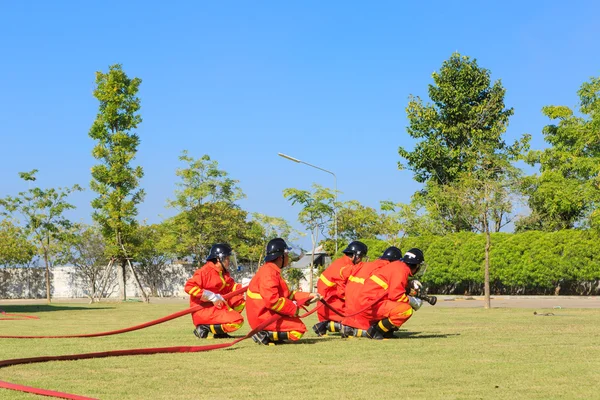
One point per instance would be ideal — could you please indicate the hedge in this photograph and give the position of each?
(563, 262)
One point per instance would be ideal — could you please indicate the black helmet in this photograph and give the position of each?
(414, 257)
(356, 248)
(392, 253)
(219, 251)
(276, 248)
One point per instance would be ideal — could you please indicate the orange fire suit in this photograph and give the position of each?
(268, 295)
(332, 287)
(390, 281)
(209, 277)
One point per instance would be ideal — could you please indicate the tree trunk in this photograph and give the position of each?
(48, 293)
(122, 279)
(314, 237)
(137, 281)
(486, 279)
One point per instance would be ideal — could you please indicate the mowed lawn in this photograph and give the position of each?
(441, 353)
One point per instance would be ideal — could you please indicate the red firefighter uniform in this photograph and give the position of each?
(385, 292)
(209, 277)
(356, 281)
(332, 287)
(268, 295)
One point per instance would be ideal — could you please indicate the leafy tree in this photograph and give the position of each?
(261, 229)
(316, 213)
(85, 249)
(115, 180)
(400, 220)
(478, 196)
(42, 212)
(15, 249)
(356, 221)
(466, 119)
(293, 276)
(205, 199)
(566, 192)
(153, 256)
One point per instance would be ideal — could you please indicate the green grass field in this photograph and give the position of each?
(441, 353)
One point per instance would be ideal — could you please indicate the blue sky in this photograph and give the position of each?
(325, 82)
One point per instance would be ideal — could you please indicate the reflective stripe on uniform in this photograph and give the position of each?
(222, 280)
(278, 304)
(357, 280)
(326, 281)
(294, 335)
(253, 295)
(403, 298)
(195, 290)
(292, 294)
(240, 308)
(379, 281)
(383, 328)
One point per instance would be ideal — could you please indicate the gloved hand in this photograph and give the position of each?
(313, 298)
(415, 288)
(214, 298)
(415, 303)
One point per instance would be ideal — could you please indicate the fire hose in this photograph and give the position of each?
(143, 351)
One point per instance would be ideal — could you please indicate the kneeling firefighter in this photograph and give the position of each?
(388, 291)
(207, 287)
(269, 295)
(332, 287)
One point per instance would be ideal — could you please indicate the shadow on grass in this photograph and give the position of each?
(418, 335)
(35, 308)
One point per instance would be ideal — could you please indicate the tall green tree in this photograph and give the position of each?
(316, 213)
(566, 192)
(115, 179)
(467, 117)
(42, 213)
(205, 199)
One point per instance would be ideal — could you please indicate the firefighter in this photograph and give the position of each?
(269, 295)
(332, 287)
(361, 273)
(388, 291)
(207, 287)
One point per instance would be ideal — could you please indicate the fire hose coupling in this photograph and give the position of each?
(430, 299)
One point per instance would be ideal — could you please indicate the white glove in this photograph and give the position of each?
(207, 295)
(415, 287)
(315, 298)
(415, 303)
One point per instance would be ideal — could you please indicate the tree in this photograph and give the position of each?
(316, 213)
(263, 228)
(153, 256)
(356, 221)
(467, 114)
(85, 249)
(400, 220)
(207, 211)
(478, 195)
(115, 179)
(42, 213)
(15, 248)
(293, 276)
(566, 192)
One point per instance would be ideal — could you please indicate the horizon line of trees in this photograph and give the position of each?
(469, 176)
